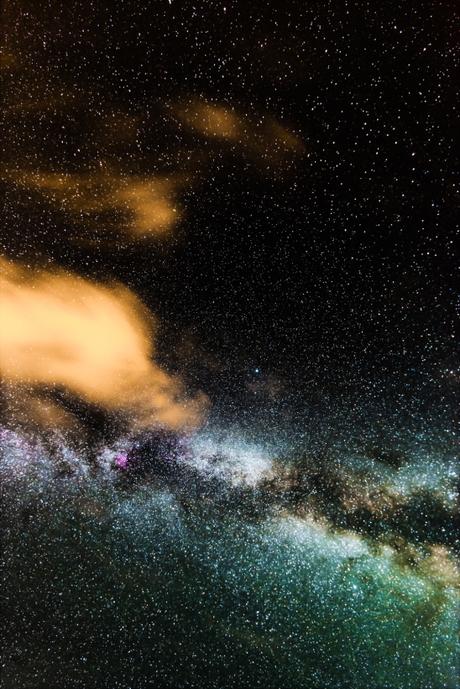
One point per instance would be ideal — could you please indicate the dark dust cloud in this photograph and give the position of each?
(227, 352)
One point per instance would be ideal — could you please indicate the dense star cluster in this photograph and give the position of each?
(228, 366)
(206, 561)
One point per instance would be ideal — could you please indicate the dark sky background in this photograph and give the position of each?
(327, 276)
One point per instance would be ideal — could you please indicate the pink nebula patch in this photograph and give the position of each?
(121, 460)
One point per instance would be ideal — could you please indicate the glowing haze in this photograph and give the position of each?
(96, 341)
(147, 204)
(262, 137)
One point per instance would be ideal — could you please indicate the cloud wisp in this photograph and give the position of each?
(94, 340)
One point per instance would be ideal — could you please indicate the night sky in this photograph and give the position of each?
(228, 362)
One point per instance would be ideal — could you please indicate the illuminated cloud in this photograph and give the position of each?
(263, 138)
(211, 120)
(27, 407)
(138, 206)
(151, 204)
(61, 330)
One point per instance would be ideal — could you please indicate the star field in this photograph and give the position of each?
(227, 345)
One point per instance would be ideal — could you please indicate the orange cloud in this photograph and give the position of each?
(211, 120)
(139, 205)
(96, 341)
(151, 204)
(263, 137)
